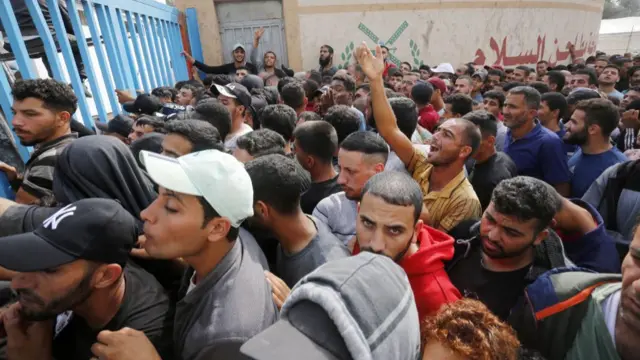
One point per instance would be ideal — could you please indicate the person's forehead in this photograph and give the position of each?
(350, 158)
(507, 220)
(239, 50)
(578, 114)
(463, 81)
(633, 93)
(491, 101)
(511, 98)
(28, 103)
(335, 83)
(451, 125)
(384, 213)
(182, 197)
(582, 77)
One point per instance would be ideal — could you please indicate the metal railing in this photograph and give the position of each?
(124, 44)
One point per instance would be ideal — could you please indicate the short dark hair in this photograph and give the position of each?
(555, 101)
(216, 114)
(310, 88)
(347, 81)
(531, 96)
(472, 136)
(540, 86)
(600, 112)
(632, 71)
(527, 198)
(496, 72)
(556, 77)
(512, 84)
(612, 66)
(542, 62)
(329, 48)
(526, 69)
(155, 122)
(407, 63)
(242, 68)
(278, 181)
(422, 93)
(366, 87)
(318, 139)
(634, 105)
(485, 121)
(344, 119)
(460, 103)
(284, 81)
(279, 118)
(270, 94)
(262, 142)
(293, 94)
(406, 115)
(396, 188)
(190, 87)
(210, 213)
(593, 77)
(368, 143)
(55, 95)
(201, 134)
(309, 116)
(497, 95)
(581, 94)
(164, 91)
(316, 76)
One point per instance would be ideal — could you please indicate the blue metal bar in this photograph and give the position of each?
(179, 67)
(49, 45)
(129, 55)
(194, 34)
(148, 7)
(153, 53)
(121, 51)
(8, 19)
(111, 49)
(72, 7)
(102, 58)
(155, 37)
(142, 30)
(182, 62)
(164, 41)
(5, 104)
(67, 53)
(136, 46)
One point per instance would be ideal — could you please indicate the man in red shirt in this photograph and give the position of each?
(387, 64)
(427, 116)
(439, 92)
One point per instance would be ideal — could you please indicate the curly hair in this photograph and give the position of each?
(55, 95)
(470, 330)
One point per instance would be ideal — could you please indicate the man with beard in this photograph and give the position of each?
(42, 116)
(388, 64)
(361, 155)
(590, 128)
(239, 60)
(541, 69)
(268, 64)
(634, 78)
(326, 61)
(73, 270)
(449, 197)
(608, 80)
(389, 224)
(536, 150)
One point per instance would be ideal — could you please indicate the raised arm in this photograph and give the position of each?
(373, 67)
(253, 58)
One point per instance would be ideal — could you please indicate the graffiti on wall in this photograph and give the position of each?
(562, 51)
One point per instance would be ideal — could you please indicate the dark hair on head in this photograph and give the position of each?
(540, 86)
(471, 331)
(344, 119)
(284, 81)
(526, 69)
(496, 95)
(531, 96)
(460, 103)
(207, 81)
(365, 87)
(164, 92)
(469, 69)
(179, 84)
(270, 94)
(262, 142)
(600, 112)
(471, 135)
(210, 213)
(326, 80)
(557, 78)
(542, 62)
(613, 66)
(329, 48)
(155, 122)
(189, 87)
(396, 188)
(316, 76)
(512, 84)
(614, 100)
(278, 181)
(591, 74)
(309, 116)
(279, 118)
(216, 114)
(422, 93)
(634, 105)
(527, 198)
(201, 134)
(55, 95)
(632, 71)
(348, 82)
(485, 121)
(602, 58)
(393, 71)
(310, 87)
(556, 101)
(318, 139)
(242, 68)
(407, 63)
(496, 72)
(293, 94)
(406, 115)
(202, 94)
(368, 143)
(582, 94)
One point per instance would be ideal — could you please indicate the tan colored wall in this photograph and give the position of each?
(208, 26)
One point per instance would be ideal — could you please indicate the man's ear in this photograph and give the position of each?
(63, 117)
(218, 228)
(541, 236)
(106, 275)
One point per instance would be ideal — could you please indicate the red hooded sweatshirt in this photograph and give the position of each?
(425, 269)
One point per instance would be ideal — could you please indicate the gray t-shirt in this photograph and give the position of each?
(339, 214)
(323, 247)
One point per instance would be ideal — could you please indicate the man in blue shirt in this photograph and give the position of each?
(590, 128)
(536, 150)
(553, 108)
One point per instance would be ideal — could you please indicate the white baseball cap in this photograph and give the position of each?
(444, 68)
(216, 176)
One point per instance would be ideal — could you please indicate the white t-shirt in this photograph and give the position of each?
(232, 142)
(610, 307)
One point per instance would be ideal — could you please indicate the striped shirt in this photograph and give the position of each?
(455, 202)
(38, 175)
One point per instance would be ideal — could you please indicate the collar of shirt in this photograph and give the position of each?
(533, 133)
(448, 190)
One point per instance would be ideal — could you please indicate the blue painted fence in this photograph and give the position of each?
(133, 45)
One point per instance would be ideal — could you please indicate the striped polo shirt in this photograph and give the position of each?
(38, 176)
(455, 202)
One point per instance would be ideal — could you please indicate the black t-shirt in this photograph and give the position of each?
(499, 291)
(486, 176)
(317, 192)
(145, 307)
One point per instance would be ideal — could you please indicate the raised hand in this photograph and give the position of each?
(373, 67)
(188, 57)
(258, 34)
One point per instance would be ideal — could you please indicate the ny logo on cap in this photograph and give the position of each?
(55, 219)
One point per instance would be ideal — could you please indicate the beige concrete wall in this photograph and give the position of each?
(507, 32)
(208, 26)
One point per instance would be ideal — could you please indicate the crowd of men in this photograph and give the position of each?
(372, 212)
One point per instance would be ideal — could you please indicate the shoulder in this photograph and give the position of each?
(331, 202)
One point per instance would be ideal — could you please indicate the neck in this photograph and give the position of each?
(607, 88)
(523, 130)
(438, 104)
(238, 64)
(236, 125)
(596, 145)
(442, 175)
(269, 69)
(322, 172)
(420, 107)
(482, 157)
(58, 134)
(329, 65)
(207, 259)
(102, 305)
(508, 264)
(553, 125)
(300, 110)
(294, 232)
(413, 248)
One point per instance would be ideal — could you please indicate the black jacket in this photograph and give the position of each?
(226, 69)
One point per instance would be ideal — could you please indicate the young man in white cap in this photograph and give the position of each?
(224, 299)
(239, 60)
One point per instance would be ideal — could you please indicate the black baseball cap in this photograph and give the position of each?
(235, 91)
(99, 230)
(120, 124)
(143, 104)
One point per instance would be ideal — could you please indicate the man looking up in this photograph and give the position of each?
(361, 155)
(541, 69)
(316, 143)
(224, 300)
(305, 242)
(535, 150)
(449, 197)
(590, 128)
(239, 60)
(238, 101)
(42, 115)
(608, 80)
(326, 61)
(268, 65)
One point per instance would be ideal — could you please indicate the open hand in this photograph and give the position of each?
(258, 34)
(372, 66)
(279, 290)
(188, 57)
